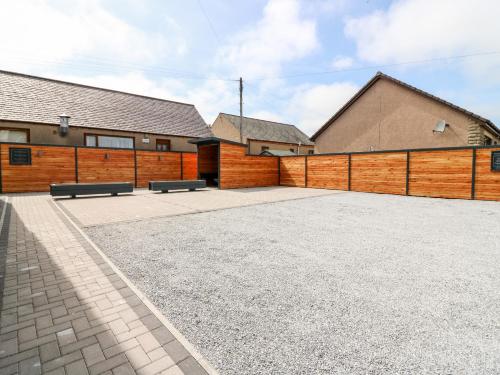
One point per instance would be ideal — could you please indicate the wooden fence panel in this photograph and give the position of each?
(441, 174)
(157, 165)
(487, 181)
(189, 166)
(105, 165)
(328, 171)
(48, 165)
(379, 173)
(293, 171)
(238, 170)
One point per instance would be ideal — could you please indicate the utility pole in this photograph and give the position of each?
(241, 110)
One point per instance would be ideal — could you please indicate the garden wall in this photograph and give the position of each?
(60, 164)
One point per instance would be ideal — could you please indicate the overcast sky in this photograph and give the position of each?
(193, 50)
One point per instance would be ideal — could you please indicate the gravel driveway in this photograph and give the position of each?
(348, 283)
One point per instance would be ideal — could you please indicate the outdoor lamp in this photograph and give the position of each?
(63, 124)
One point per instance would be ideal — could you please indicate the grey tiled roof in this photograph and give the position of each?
(41, 100)
(268, 130)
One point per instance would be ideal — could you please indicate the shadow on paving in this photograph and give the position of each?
(78, 318)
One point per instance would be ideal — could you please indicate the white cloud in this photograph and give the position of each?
(342, 62)
(421, 29)
(280, 36)
(36, 33)
(313, 105)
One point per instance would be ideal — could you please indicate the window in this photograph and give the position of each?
(110, 141)
(14, 135)
(292, 150)
(310, 152)
(163, 145)
(487, 141)
(264, 148)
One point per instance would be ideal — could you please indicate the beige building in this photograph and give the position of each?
(30, 109)
(263, 136)
(387, 114)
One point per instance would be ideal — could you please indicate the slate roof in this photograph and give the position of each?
(268, 130)
(380, 75)
(278, 153)
(41, 100)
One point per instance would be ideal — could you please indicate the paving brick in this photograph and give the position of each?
(137, 357)
(108, 364)
(49, 351)
(66, 337)
(93, 354)
(66, 349)
(77, 368)
(30, 366)
(124, 369)
(174, 370)
(191, 366)
(157, 353)
(176, 350)
(163, 335)
(121, 347)
(106, 339)
(148, 342)
(8, 347)
(62, 361)
(156, 366)
(37, 342)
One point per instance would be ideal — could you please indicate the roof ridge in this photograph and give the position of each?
(91, 87)
(260, 119)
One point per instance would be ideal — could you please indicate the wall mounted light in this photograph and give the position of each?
(63, 124)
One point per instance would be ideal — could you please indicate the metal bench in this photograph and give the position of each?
(165, 186)
(113, 188)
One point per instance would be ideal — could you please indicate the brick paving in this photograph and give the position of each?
(64, 310)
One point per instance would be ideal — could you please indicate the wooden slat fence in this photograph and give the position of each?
(59, 164)
(238, 170)
(446, 173)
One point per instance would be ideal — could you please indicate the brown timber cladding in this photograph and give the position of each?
(293, 171)
(105, 165)
(328, 172)
(379, 173)
(189, 166)
(238, 170)
(60, 164)
(155, 166)
(487, 185)
(441, 174)
(48, 165)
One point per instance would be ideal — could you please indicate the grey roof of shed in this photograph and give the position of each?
(380, 75)
(268, 130)
(41, 100)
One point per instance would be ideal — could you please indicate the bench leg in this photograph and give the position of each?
(114, 194)
(73, 196)
(192, 189)
(164, 191)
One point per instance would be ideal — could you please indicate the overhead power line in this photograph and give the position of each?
(209, 22)
(372, 67)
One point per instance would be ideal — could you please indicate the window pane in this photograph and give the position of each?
(90, 140)
(17, 136)
(115, 142)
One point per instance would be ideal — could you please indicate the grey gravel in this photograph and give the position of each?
(350, 283)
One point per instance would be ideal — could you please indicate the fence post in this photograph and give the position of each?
(473, 181)
(349, 175)
(279, 170)
(305, 171)
(182, 166)
(76, 163)
(1, 182)
(407, 172)
(135, 167)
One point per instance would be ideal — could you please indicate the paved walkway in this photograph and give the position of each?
(65, 310)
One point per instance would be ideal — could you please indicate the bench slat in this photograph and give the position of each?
(89, 188)
(176, 185)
